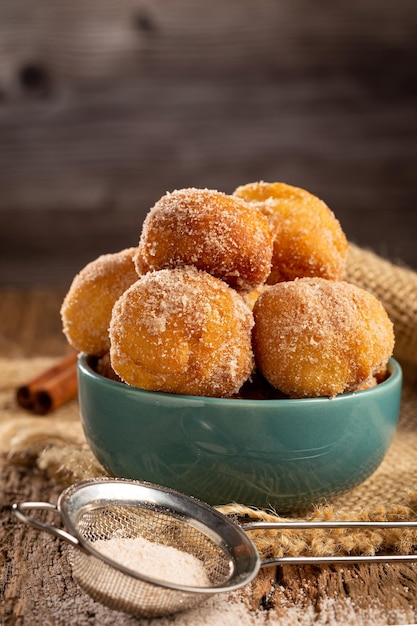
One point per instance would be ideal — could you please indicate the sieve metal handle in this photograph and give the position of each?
(19, 509)
(321, 560)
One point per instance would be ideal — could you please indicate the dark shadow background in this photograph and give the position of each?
(105, 105)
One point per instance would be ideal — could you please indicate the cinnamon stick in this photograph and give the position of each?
(50, 389)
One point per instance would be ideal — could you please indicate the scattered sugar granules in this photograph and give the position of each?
(233, 609)
(155, 560)
(229, 609)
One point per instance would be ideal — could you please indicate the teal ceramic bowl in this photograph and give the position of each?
(286, 454)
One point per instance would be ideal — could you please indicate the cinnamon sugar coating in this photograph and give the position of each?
(211, 231)
(317, 337)
(182, 331)
(87, 306)
(308, 239)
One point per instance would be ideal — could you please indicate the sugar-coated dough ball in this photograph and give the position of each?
(308, 239)
(182, 331)
(316, 337)
(210, 230)
(87, 306)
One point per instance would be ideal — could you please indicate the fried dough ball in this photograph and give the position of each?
(87, 306)
(308, 239)
(182, 331)
(316, 337)
(211, 231)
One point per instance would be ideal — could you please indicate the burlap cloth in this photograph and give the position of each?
(57, 445)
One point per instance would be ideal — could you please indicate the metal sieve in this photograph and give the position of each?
(103, 509)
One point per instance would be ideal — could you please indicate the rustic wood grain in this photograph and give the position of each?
(106, 105)
(37, 583)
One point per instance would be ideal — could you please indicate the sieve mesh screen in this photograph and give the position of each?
(111, 585)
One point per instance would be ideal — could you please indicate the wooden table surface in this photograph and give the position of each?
(36, 582)
(105, 105)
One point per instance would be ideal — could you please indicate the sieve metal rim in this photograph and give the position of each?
(229, 536)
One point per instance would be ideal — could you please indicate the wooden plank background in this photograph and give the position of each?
(107, 104)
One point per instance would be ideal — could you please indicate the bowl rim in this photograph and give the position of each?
(394, 377)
